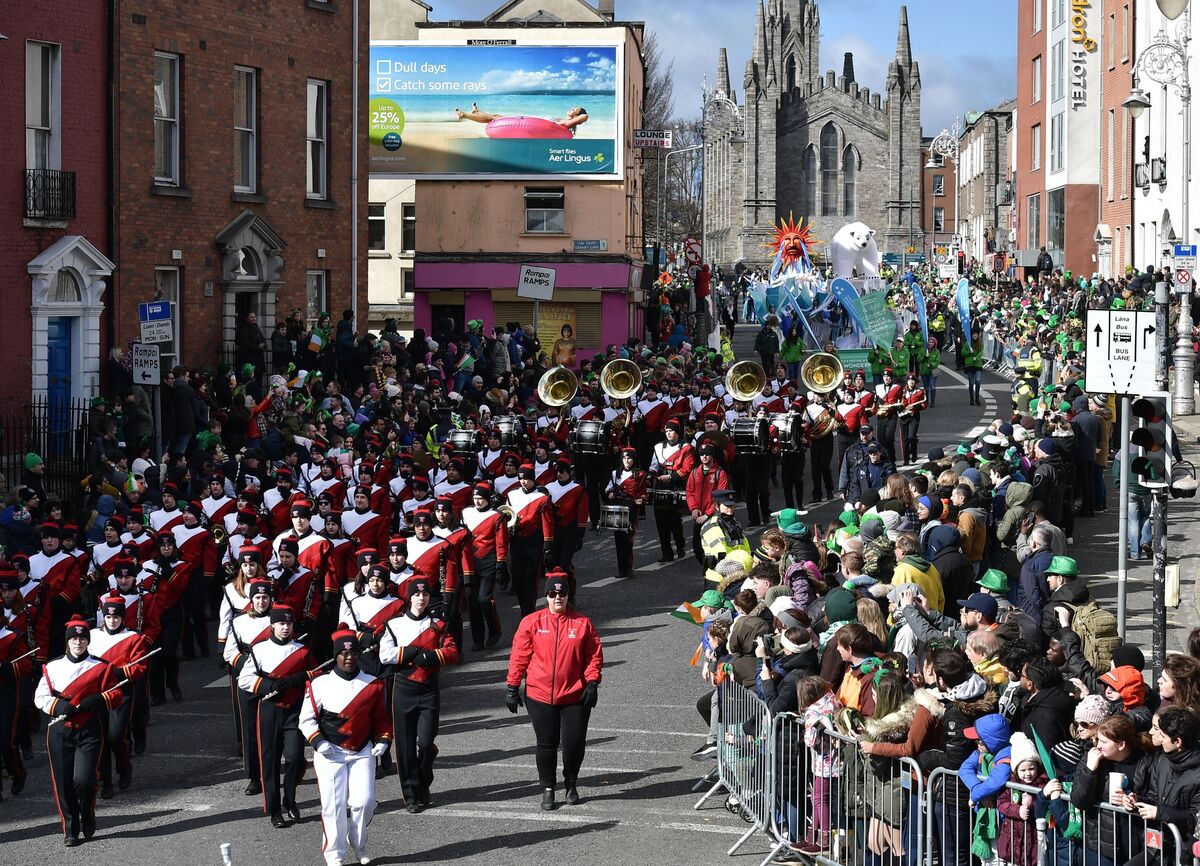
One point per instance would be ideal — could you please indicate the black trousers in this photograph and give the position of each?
(624, 543)
(909, 427)
(791, 471)
(281, 753)
(74, 754)
(669, 523)
(416, 712)
(820, 454)
(118, 747)
(10, 712)
(248, 714)
(525, 563)
(481, 601)
(844, 440)
(885, 433)
(555, 727)
(164, 667)
(562, 551)
(139, 718)
(755, 470)
(195, 620)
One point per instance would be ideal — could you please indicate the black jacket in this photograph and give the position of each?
(958, 577)
(1171, 782)
(780, 692)
(1073, 592)
(1050, 713)
(1091, 788)
(1047, 487)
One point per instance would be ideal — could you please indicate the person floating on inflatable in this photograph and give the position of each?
(519, 126)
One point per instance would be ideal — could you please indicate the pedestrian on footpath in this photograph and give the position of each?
(557, 653)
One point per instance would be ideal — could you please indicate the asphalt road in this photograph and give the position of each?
(187, 795)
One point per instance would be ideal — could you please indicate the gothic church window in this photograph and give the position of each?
(829, 170)
(849, 180)
(791, 74)
(808, 187)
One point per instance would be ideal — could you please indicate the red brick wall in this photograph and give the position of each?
(1028, 114)
(79, 27)
(1079, 245)
(1118, 80)
(929, 201)
(288, 42)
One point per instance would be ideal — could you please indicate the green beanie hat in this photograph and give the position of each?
(31, 460)
(789, 523)
(840, 606)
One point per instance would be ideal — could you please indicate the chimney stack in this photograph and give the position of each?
(607, 8)
(848, 68)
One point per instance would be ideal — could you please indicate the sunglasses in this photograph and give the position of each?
(554, 593)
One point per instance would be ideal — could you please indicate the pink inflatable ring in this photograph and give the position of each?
(526, 127)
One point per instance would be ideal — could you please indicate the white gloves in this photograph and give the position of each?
(378, 750)
(324, 748)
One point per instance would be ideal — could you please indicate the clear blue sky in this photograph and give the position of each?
(967, 51)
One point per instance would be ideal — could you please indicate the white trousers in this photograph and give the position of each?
(346, 781)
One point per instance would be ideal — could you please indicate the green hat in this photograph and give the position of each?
(99, 400)
(1063, 565)
(1118, 303)
(963, 448)
(849, 518)
(1064, 406)
(994, 579)
(247, 369)
(474, 324)
(712, 598)
(31, 460)
(789, 523)
(841, 605)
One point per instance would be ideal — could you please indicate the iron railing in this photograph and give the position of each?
(54, 430)
(49, 194)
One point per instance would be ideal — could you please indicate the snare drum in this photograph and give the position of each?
(789, 428)
(750, 435)
(589, 437)
(511, 429)
(465, 441)
(667, 497)
(615, 517)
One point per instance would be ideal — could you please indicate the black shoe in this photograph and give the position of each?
(70, 841)
(679, 555)
(292, 811)
(476, 647)
(277, 820)
(18, 784)
(425, 800)
(548, 800)
(492, 641)
(89, 825)
(106, 791)
(413, 808)
(157, 701)
(204, 652)
(125, 778)
(705, 753)
(139, 747)
(666, 557)
(572, 795)
(176, 694)
(253, 787)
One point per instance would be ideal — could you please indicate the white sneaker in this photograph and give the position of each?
(361, 856)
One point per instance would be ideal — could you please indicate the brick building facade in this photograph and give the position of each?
(235, 172)
(54, 198)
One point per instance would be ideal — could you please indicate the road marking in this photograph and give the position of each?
(221, 683)
(655, 566)
(597, 584)
(561, 818)
(644, 731)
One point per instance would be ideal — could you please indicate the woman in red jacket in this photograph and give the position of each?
(557, 652)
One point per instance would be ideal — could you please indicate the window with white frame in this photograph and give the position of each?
(1056, 141)
(1035, 147)
(1060, 13)
(317, 130)
(1036, 80)
(43, 119)
(408, 229)
(939, 184)
(1034, 221)
(1037, 16)
(166, 118)
(939, 219)
(245, 129)
(317, 290)
(1057, 70)
(377, 227)
(166, 288)
(545, 210)
(408, 283)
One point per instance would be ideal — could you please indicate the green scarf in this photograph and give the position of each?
(987, 818)
(830, 632)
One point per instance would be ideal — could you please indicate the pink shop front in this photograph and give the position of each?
(600, 300)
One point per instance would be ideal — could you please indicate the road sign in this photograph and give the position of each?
(692, 251)
(158, 311)
(1121, 347)
(947, 270)
(157, 332)
(1185, 257)
(1183, 279)
(146, 365)
(652, 138)
(536, 283)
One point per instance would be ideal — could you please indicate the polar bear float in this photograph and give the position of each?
(853, 249)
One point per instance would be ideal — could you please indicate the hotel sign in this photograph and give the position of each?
(1083, 51)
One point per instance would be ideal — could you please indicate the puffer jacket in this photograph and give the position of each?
(1090, 788)
(556, 655)
(1017, 497)
(1171, 782)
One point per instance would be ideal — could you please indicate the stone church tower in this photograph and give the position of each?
(817, 146)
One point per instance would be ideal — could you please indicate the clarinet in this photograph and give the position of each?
(442, 571)
(308, 597)
(141, 610)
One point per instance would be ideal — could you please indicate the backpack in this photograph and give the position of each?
(1097, 630)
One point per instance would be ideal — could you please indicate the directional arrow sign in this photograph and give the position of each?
(1146, 334)
(1120, 357)
(1099, 334)
(146, 369)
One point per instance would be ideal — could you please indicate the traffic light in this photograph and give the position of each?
(1152, 410)
(1152, 464)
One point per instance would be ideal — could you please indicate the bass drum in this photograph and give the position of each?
(511, 429)
(751, 435)
(589, 437)
(465, 441)
(789, 427)
(615, 517)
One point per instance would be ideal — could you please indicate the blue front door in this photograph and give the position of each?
(58, 381)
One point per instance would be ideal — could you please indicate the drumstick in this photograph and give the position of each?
(25, 656)
(124, 682)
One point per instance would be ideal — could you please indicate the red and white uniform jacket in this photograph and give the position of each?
(702, 407)
(544, 473)
(234, 603)
(270, 661)
(400, 489)
(570, 504)
(216, 510)
(162, 591)
(535, 514)
(556, 655)
(653, 414)
(435, 561)
(403, 640)
(146, 541)
(351, 713)
(140, 618)
(335, 487)
(459, 541)
(367, 612)
(678, 407)
(677, 460)
(104, 560)
(233, 549)
(414, 504)
(65, 680)
(30, 617)
(245, 631)
(489, 534)
(58, 573)
(292, 589)
(123, 650)
(277, 506)
(914, 400)
(504, 483)
(380, 501)
(341, 560)
(315, 551)
(13, 645)
(491, 463)
(197, 548)
(459, 494)
(629, 487)
(885, 395)
(165, 521)
(586, 413)
(367, 528)
(854, 415)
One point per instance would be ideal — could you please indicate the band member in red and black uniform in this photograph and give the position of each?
(363, 526)
(217, 506)
(889, 396)
(488, 543)
(432, 558)
(341, 561)
(397, 563)
(704, 478)
(421, 500)
(165, 519)
(277, 671)
(296, 586)
(139, 536)
(913, 404)
(669, 467)
(853, 410)
(123, 649)
(418, 645)
(570, 515)
(650, 416)
(792, 462)
(378, 495)
(756, 476)
(370, 605)
(491, 459)
(509, 480)
(58, 573)
(78, 686)
(544, 462)
(446, 524)
(344, 716)
(141, 616)
(235, 601)
(166, 579)
(277, 501)
(627, 487)
(455, 487)
(199, 551)
(532, 537)
(248, 630)
(16, 672)
(96, 581)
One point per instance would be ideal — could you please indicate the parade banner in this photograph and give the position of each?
(881, 324)
(513, 110)
(962, 297)
(845, 294)
(919, 303)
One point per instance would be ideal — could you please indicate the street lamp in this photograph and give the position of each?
(1165, 60)
(945, 145)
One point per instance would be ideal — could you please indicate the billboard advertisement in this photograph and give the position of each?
(515, 110)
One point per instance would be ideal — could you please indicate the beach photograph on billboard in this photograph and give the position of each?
(494, 109)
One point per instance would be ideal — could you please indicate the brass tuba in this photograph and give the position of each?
(821, 372)
(557, 387)
(745, 380)
(219, 534)
(620, 379)
(510, 516)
